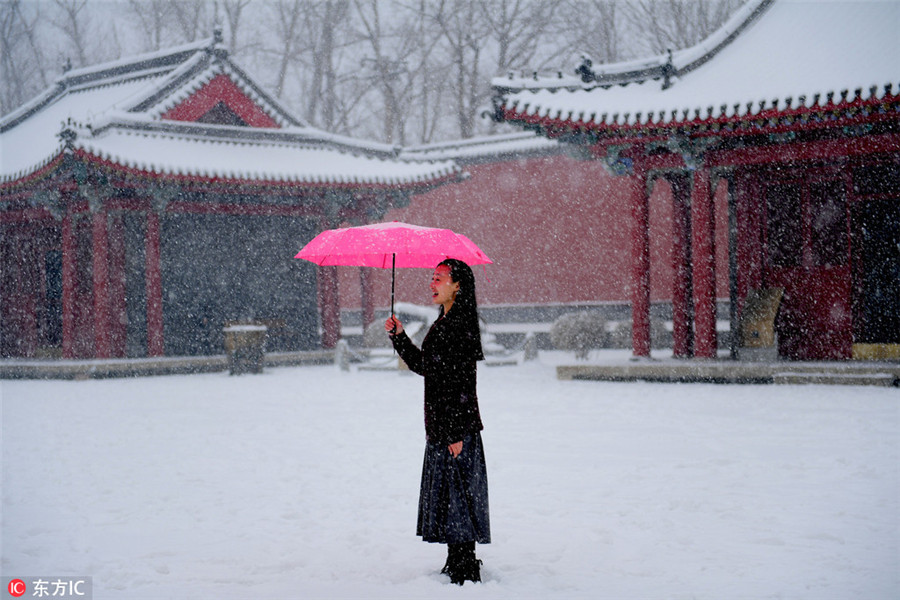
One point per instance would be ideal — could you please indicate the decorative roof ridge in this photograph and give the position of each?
(308, 136)
(473, 141)
(180, 77)
(166, 57)
(667, 66)
(491, 147)
(112, 72)
(124, 78)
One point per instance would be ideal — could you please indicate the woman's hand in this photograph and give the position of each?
(393, 325)
(455, 449)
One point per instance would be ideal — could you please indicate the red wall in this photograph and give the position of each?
(557, 229)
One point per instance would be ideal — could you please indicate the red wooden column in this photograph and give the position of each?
(640, 265)
(100, 248)
(682, 309)
(329, 306)
(118, 325)
(153, 276)
(68, 286)
(704, 271)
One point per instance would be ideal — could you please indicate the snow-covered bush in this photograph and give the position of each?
(375, 337)
(660, 335)
(620, 334)
(579, 331)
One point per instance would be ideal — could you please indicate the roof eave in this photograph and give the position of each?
(293, 135)
(414, 184)
(843, 113)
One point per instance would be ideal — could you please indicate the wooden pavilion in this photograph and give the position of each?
(147, 203)
(792, 107)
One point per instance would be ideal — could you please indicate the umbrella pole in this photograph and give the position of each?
(393, 264)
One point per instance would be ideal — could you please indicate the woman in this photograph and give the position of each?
(453, 500)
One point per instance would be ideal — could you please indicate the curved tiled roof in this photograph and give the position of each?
(772, 58)
(483, 148)
(278, 158)
(114, 114)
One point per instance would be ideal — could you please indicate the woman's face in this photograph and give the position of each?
(443, 289)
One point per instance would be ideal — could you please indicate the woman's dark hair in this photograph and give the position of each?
(465, 301)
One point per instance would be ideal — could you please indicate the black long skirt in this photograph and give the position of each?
(453, 499)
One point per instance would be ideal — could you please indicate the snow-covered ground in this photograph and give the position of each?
(302, 483)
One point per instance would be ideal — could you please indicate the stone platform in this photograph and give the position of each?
(729, 371)
(142, 367)
(612, 366)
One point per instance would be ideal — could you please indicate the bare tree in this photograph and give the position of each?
(88, 35)
(519, 28)
(322, 30)
(71, 21)
(288, 16)
(22, 68)
(591, 27)
(308, 41)
(153, 19)
(233, 11)
(191, 18)
(332, 85)
(432, 84)
(663, 25)
(387, 67)
(466, 36)
(401, 53)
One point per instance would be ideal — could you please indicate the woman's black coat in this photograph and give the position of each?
(447, 361)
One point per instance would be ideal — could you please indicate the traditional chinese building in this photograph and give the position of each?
(148, 202)
(791, 112)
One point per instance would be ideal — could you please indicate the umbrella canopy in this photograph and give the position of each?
(386, 245)
(390, 245)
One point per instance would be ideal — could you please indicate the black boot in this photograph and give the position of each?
(462, 565)
(452, 559)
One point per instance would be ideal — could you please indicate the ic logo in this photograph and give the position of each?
(16, 588)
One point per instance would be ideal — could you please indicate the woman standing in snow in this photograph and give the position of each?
(453, 500)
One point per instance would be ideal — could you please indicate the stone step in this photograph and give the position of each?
(800, 378)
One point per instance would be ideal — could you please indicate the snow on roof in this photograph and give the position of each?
(114, 111)
(229, 157)
(140, 61)
(769, 53)
(512, 144)
(35, 140)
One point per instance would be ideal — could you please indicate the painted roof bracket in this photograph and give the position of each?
(692, 150)
(161, 194)
(615, 163)
(49, 199)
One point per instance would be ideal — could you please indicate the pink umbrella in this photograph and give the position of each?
(391, 245)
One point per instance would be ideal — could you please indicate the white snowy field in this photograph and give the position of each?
(302, 483)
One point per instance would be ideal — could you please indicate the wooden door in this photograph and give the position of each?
(808, 255)
(877, 256)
